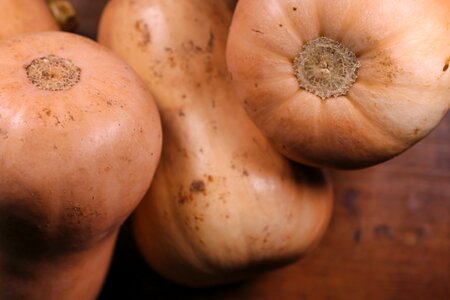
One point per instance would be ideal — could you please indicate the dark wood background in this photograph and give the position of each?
(389, 237)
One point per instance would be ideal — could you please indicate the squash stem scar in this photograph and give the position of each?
(53, 73)
(325, 68)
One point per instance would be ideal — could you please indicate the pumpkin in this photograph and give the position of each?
(224, 204)
(80, 139)
(342, 83)
(22, 16)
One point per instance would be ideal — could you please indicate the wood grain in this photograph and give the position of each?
(389, 237)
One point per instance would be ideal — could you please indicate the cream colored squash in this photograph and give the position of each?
(224, 205)
(342, 83)
(21, 16)
(80, 138)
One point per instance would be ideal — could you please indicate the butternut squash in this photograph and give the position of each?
(342, 83)
(224, 205)
(22, 16)
(80, 139)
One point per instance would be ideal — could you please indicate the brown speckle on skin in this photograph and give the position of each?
(294, 8)
(446, 65)
(199, 218)
(386, 66)
(172, 62)
(4, 133)
(191, 48)
(144, 32)
(257, 31)
(183, 199)
(211, 40)
(197, 186)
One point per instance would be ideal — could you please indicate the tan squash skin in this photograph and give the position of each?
(22, 16)
(224, 204)
(401, 93)
(74, 164)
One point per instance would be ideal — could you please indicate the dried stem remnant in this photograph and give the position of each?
(325, 68)
(53, 73)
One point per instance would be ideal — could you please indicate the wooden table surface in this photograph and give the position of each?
(389, 237)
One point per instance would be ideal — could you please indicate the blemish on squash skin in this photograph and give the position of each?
(386, 66)
(197, 186)
(446, 65)
(211, 40)
(3, 134)
(199, 217)
(182, 199)
(145, 37)
(191, 48)
(257, 31)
